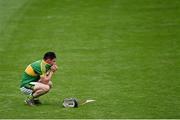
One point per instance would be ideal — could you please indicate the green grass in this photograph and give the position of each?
(122, 53)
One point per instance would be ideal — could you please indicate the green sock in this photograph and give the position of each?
(30, 96)
(36, 98)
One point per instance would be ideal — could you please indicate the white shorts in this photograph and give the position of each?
(28, 91)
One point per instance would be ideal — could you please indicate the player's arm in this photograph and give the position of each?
(47, 77)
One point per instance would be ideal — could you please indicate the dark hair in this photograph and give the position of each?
(49, 55)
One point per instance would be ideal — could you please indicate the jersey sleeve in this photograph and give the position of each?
(43, 69)
(29, 70)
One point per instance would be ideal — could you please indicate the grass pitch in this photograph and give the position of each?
(122, 53)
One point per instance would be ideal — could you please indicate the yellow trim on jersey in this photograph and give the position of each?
(43, 68)
(29, 70)
(44, 62)
(43, 75)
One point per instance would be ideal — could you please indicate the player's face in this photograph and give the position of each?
(51, 62)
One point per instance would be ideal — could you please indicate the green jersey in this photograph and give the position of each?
(34, 72)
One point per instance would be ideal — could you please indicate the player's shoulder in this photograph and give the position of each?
(36, 63)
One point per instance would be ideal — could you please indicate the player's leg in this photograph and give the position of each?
(37, 89)
(34, 90)
(36, 100)
(50, 84)
(40, 89)
(28, 90)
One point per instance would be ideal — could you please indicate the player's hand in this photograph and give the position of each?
(54, 68)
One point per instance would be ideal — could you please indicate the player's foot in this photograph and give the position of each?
(37, 102)
(30, 102)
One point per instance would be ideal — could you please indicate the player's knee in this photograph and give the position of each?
(46, 88)
(50, 84)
